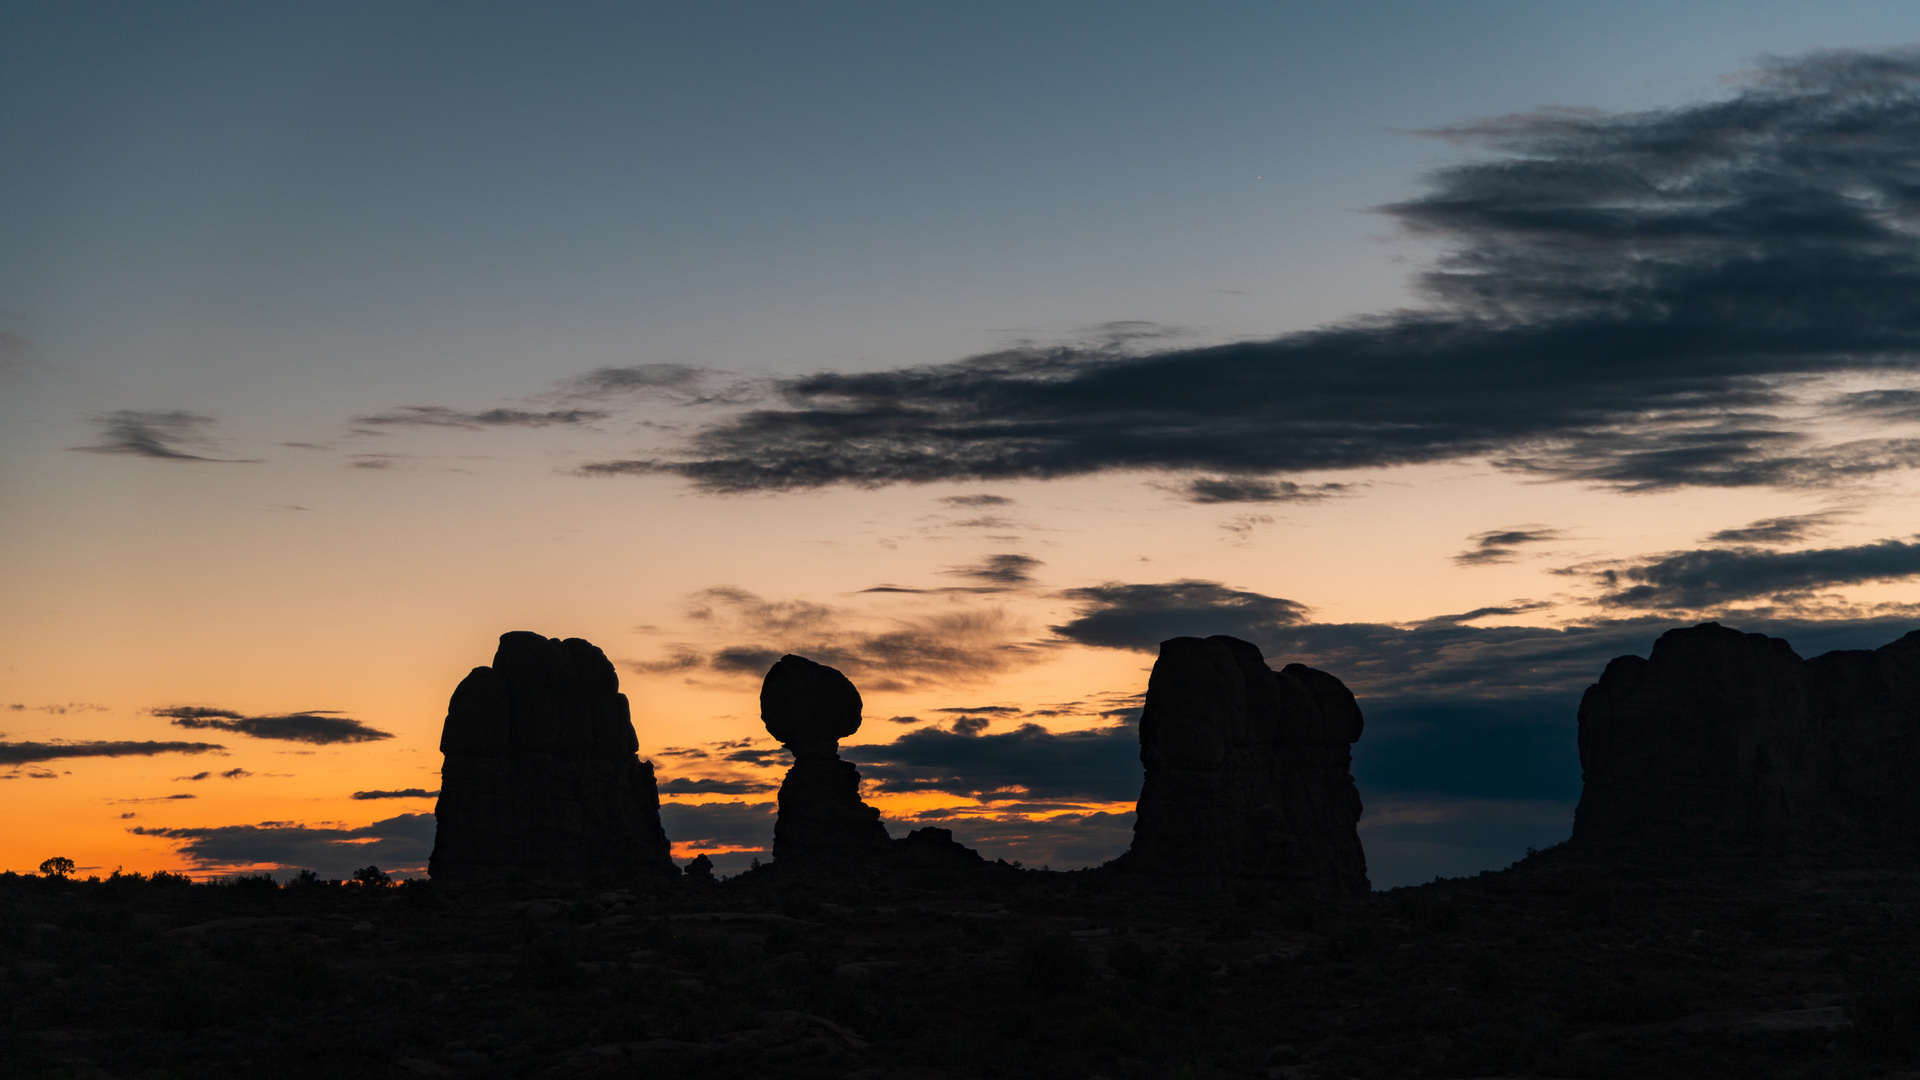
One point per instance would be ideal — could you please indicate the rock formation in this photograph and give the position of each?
(541, 775)
(1724, 743)
(810, 707)
(1247, 773)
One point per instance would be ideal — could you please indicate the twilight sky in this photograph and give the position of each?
(972, 349)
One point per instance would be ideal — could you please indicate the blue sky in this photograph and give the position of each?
(329, 295)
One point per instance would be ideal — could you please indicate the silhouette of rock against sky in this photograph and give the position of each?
(1724, 743)
(541, 773)
(1247, 773)
(810, 707)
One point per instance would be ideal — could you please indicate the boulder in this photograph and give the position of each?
(1722, 743)
(1248, 774)
(541, 776)
(810, 707)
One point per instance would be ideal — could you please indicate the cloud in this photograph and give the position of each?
(318, 726)
(20, 753)
(403, 793)
(440, 416)
(1695, 580)
(719, 824)
(1099, 764)
(1638, 300)
(1244, 489)
(161, 435)
(1778, 530)
(1140, 617)
(976, 500)
(235, 774)
(157, 798)
(1501, 545)
(946, 647)
(332, 851)
(195, 776)
(1009, 571)
(1061, 841)
(682, 785)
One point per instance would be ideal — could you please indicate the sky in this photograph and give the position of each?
(971, 349)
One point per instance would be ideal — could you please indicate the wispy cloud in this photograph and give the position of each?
(440, 416)
(1503, 545)
(317, 726)
(1005, 571)
(918, 650)
(1254, 489)
(403, 793)
(1777, 530)
(19, 753)
(164, 435)
(1139, 617)
(333, 851)
(1697, 580)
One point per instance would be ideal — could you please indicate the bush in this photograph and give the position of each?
(1052, 963)
(370, 877)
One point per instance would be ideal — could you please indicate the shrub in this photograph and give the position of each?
(371, 877)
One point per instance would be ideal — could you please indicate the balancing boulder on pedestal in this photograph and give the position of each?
(810, 707)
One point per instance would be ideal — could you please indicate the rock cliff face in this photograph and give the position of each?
(541, 775)
(1247, 773)
(810, 707)
(1728, 743)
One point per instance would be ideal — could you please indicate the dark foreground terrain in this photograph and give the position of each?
(1546, 970)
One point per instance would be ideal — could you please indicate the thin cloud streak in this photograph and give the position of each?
(317, 726)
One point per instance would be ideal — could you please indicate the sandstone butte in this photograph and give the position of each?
(1722, 743)
(1248, 774)
(541, 775)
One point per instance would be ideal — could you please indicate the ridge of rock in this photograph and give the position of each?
(1248, 773)
(1725, 743)
(542, 774)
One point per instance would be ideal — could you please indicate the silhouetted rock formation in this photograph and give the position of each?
(1248, 774)
(810, 707)
(541, 774)
(701, 868)
(1724, 743)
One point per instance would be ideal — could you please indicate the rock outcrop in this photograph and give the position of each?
(541, 775)
(810, 707)
(1248, 773)
(1724, 743)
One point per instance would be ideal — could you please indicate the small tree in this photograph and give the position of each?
(58, 866)
(371, 877)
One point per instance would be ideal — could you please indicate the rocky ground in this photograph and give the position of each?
(1548, 970)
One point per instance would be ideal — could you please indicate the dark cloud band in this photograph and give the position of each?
(20, 753)
(1627, 300)
(318, 726)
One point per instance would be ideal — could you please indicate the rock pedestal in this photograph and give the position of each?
(1247, 773)
(541, 775)
(810, 707)
(1723, 743)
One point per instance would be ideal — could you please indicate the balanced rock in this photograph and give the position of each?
(541, 775)
(1248, 773)
(1725, 743)
(810, 707)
